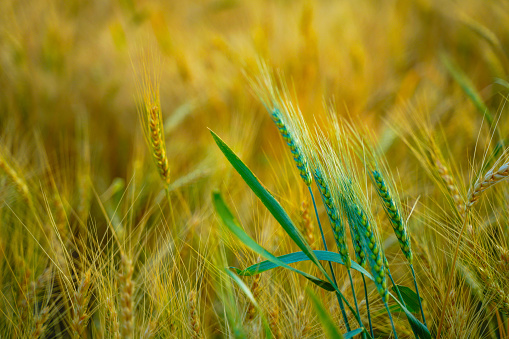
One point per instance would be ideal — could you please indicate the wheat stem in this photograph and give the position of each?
(367, 306)
(392, 322)
(418, 295)
(340, 302)
(355, 301)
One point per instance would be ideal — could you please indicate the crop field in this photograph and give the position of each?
(254, 169)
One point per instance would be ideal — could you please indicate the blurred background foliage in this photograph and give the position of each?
(68, 93)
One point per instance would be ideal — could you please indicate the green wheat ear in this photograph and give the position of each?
(360, 256)
(297, 154)
(370, 246)
(334, 216)
(393, 214)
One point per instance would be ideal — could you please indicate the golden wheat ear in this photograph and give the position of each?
(150, 114)
(125, 278)
(491, 178)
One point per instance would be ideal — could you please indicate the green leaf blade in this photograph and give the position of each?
(329, 328)
(409, 297)
(269, 201)
(298, 257)
(229, 221)
(417, 327)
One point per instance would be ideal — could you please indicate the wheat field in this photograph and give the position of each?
(254, 169)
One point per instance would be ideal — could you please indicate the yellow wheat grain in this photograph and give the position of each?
(306, 224)
(194, 319)
(492, 177)
(126, 297)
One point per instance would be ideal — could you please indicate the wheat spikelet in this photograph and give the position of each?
(274, 322)
(494, 291)
(504, 259)
(149, 108)
(113, 324)
(398, 224)
(303, 317)
(255, 290)
(19, 181)
(126, 283)
(355, 207)
(492, 177)
(194, 319)
(285, 116)
(40, 323)
(296, 150)
(370, 245)
(451, 186)
(324, 183)
(157, 143)
(24, 297)
(307, 225)
(79, 307)
(151, 329)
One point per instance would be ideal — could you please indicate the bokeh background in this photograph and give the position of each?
(68, 119)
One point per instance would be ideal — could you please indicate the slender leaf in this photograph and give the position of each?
(281, 216)
(502, 82)
(269, 201)
(297, 257)
(251, 298)
(328, 324)
(230, 223)
(417, 327)
(409, 297)
(461, 78)
(353, 333)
